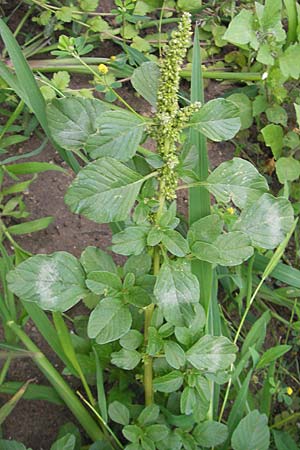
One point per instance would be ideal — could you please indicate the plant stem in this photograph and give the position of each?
(52, 65)
(148, 360)
(285, 420)
(59, 384)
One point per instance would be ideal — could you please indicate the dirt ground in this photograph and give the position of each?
(36, 423)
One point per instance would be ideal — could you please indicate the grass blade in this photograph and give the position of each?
(7, 408)
(59, 384)
(199, 206)
(282, 272)
(33, 392)
(29, 93)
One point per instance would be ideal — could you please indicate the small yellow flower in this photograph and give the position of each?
(103, 69)
(113, 58)
(289, 391)
(230, 210)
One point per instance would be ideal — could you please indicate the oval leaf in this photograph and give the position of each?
(56, 282)
(119, 134)
(104, 191)
(212, 353)
(267, 221)
(145, 80)
(73, 119)
(252, 433)
(219, 120)
(237, 181)
(109, 321)
(176, 289)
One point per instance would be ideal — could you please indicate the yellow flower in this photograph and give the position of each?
(103, 69)
(113, 58)
(289, 391)
(230, 210)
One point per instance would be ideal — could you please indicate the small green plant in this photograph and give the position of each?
(155, 345)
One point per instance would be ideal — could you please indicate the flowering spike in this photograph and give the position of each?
(170, 119)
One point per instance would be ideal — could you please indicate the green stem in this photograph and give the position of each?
(218, 75)
(148, 360)
(62, 388)
(52, 65)
(286, 420)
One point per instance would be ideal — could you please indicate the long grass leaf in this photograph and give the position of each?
(199, 207)
(29, 92)
(33, 392)
(59, 384)
(281, 272)
(7, 408)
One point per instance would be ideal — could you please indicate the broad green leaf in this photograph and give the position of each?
(176, 290)
(126, 359)
(252, 433)
(212, 353)
(210, 433)
(229, 249)
(277, 114)
(154, 237)
(145, 80)
(170, 382)
(287, 169)
(175, 243)
(290, 62)
(137, 296)
(67, 442)
(237, 181)
(245, 107)
(31, 226)
(131, 241)
(218, 119)
(157, 432)
(188, 400)
(284, 441)
(132, 340)
(273, 137)
(98, 282)
(94, 259)
(240, 31)
(109, 321)
(73, 119)
(104, 191)
(56, 282)
(132, 432)
(207, 229)
(118, 136)
(267, 221)
(174, 354)
(149, 415)
(138, 264)
(272, 354)
(119, 413)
